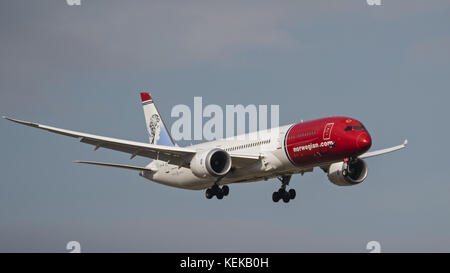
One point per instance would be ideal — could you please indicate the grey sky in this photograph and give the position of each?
(81, 68)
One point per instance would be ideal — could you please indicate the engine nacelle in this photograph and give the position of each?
(212, 163)
(348, 174)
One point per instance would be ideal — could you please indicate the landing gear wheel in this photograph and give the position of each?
(209, 194)
(215, 189)
(219, 194)
(292, 194)
(286, 197)
(282, 193)
(276, 197)
(225, 190)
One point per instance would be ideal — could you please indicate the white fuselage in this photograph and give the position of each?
(269, 144)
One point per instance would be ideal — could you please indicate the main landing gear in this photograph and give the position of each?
(282, 193)
(219, 192)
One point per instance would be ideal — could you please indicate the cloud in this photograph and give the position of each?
(145, 34)
(44, 44)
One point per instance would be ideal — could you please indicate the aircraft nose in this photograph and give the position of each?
(364, 141)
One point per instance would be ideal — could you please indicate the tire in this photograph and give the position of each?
(275, 197)
(292, 194)
(209, 194)
(215, 189)
(225, 190)
(219, 195)
(286, 198)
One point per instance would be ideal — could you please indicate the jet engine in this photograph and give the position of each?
(348, 174)
(211, 163)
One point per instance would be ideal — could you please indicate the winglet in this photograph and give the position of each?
(406, 142)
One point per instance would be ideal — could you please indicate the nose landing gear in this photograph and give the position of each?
(282, 193)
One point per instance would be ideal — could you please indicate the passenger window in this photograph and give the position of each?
(348, 128)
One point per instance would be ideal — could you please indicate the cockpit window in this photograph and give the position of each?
(355, 128)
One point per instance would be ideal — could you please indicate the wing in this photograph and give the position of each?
(174, 155)
(384, 151)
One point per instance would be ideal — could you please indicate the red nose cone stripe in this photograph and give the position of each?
(145, 97)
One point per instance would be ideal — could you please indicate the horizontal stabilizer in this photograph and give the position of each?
(136, 168)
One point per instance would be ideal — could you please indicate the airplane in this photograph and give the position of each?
(338, 145)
